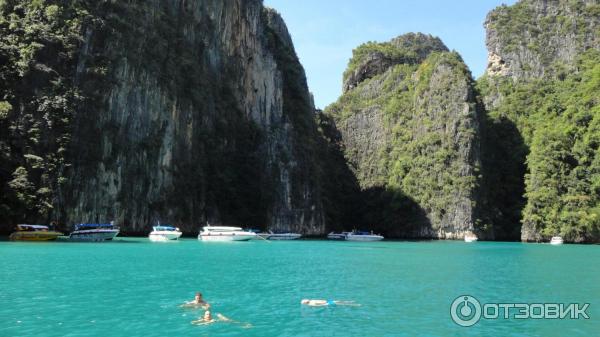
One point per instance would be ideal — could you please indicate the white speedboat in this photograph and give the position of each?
(94, 232)
(556, 240)
(164, 233)
(225, 233)
(337, 236)
(363, 236)
(471, 237)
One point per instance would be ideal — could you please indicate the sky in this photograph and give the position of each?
(325, 32)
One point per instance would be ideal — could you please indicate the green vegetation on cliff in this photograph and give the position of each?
(512, 22)
(410, 48)
(559, 120)
(540, 140)
(38, 43)
(138, 111)
(540, 37)
(410, 135)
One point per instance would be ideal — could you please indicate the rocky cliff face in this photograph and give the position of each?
(409, 124)
(375, 58)
(193, 112)
(539, 89)
(537, 37)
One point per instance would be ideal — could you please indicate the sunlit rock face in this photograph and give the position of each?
(537, 37)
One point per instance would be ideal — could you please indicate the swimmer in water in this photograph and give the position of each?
(198, 302)
(208, 319)
(325, 303)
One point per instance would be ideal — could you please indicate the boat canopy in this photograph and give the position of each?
(25, 226)
(221, 228)
(92, 226)
(164, 228)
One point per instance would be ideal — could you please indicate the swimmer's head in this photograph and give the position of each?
(207, 315)
(304, 301)
(198, 295)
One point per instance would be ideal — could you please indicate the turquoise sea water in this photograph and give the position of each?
(133, 287)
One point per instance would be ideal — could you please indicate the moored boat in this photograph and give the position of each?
(285, 236)
(279, 235)
(26, 232)
(164, 233)
(337, 236)
(470, 237)
(262, 235)
(363, 236)
(94, 232)
(225, 233)
(556, 240)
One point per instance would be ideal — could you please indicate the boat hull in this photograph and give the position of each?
(364, 238)
(218, 237)
(34, 236)
(556, 240)
(262, 236)
(94, 235)
(286, 236)
(165, 236)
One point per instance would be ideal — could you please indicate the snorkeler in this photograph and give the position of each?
(325, 303)
(198, 302)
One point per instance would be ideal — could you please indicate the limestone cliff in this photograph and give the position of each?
(375, 58)
(537, 37)
(542, 114)
(409, 125)
(189, 112)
